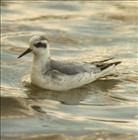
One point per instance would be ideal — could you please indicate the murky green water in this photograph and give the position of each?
(85, 31)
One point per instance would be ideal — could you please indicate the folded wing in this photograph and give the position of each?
(73, 68)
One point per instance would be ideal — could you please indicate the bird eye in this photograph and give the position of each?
(40, 45)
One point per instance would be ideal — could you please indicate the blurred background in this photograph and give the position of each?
(76, 30)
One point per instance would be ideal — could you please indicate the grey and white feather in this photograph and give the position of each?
(58, 75)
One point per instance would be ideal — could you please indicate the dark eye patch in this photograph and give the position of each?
(40, 45)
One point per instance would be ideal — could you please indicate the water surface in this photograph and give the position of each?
(84, 31)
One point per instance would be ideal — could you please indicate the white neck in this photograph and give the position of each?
(40, 63)
(41, 59)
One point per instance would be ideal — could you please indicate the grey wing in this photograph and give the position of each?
(70, 68)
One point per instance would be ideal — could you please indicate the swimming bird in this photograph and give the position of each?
(51, 74)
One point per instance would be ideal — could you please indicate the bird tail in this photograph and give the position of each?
(104, 66)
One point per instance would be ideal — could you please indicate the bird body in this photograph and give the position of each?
(57, 75)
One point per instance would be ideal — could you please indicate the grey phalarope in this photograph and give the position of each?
(57, 75)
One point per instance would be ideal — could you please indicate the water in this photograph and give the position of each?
(85, 31)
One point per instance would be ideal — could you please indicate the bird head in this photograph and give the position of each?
(38, 45)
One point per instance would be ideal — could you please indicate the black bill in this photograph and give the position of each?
(25, 52)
